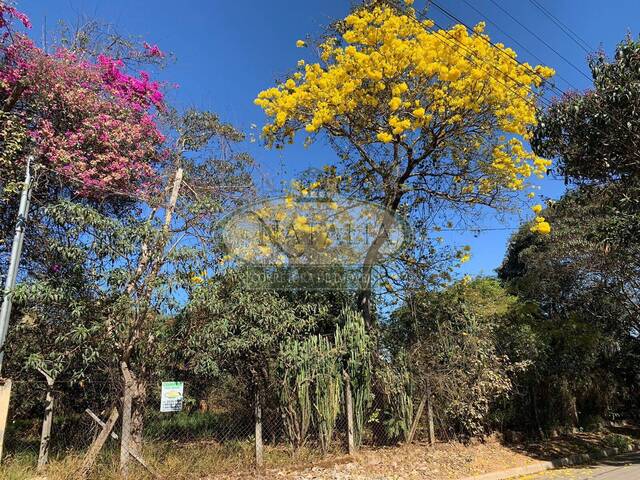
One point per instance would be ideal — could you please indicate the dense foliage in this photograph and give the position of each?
(125, 280)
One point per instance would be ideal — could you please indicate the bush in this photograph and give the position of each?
(621, 442)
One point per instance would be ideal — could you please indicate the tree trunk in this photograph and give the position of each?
(575, 418)
(534, 403)
(126, 443)
(45, 437)
(373, 255)
(364, 298)
(137, 415)
(432, 430)
(258, 422)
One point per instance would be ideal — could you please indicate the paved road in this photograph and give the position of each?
(624, 467)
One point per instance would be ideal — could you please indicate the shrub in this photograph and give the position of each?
(621, 442)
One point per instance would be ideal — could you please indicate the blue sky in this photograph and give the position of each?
(227, 51)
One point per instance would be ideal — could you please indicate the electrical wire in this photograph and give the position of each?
(550, 47)
(501, 50)
(473, 54)
(547, 103)
(577, 39)
(515, 41)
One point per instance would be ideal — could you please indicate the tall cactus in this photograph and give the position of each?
(398, 390)
(355, 345)
(296, 369)
(311, 375)
(328, 389)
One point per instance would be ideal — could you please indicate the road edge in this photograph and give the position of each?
(539, 467)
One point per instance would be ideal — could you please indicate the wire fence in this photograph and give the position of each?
(208, 438)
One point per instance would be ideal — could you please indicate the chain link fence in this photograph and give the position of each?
(209, 438)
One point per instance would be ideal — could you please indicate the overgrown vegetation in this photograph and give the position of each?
(126, 281)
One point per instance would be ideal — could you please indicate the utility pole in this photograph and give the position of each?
(14, 262)
(10, 283)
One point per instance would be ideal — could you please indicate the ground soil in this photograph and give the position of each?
(447, 461)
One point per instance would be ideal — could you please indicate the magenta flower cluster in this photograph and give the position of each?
(92, 121)
(153, 50)
(7, 13)
(138, 92)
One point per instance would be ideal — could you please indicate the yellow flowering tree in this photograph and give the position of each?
(419, 115)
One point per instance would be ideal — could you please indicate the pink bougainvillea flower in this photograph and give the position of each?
(92, 122)
(153, 50)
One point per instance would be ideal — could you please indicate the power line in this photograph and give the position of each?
(479, 229)
(550, 47)
(548, 104)
(519, 44)
(474, 54)
(501, 50)
(577, 39)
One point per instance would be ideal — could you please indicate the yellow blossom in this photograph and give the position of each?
(384, 137)
(541, 227)
(397, 74)
(395, 103)
(288, 201)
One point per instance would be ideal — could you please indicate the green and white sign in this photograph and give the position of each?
(171, 397)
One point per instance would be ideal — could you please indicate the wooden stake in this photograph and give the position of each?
(45, 437)
(5, 395)
(90, 458)
(133, 454)
(432, 432)
(114, 435)
(416, 419)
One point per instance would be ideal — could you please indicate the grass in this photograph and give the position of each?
(234, 459)
(179, 461)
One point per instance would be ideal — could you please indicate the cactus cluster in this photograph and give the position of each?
(311, 373)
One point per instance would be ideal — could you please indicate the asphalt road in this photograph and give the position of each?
(624, 467)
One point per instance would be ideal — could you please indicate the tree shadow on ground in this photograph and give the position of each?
(566, 445)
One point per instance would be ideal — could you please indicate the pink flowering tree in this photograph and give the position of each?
(93, 128)
(91, 123)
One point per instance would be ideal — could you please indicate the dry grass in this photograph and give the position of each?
(179, 461)
(234, 461)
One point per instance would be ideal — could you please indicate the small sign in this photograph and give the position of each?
(171, 397)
